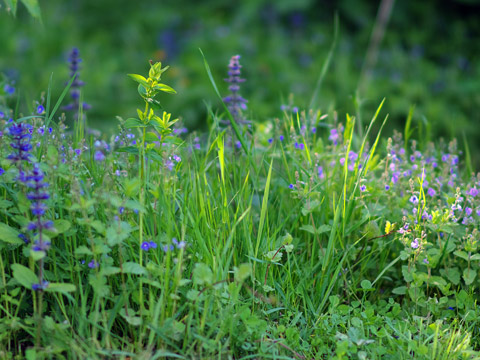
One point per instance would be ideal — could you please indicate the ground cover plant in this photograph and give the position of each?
(294, 238)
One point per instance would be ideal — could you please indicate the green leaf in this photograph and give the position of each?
(117, 234)
(52, 154)
(110, 270)
(60, 287)
(12, 6)
(475, 257)
(24, 276)
(164, 88)
(32, 7)
(130, 318)
(461, 254)
(133, 268)
(9, 235)
(202, 274)
(5, 204)
(242, 272)
(139, 79)
(469, 276)
(452, 274)
(366, 285)
(129, 149)
(83, 250)
(61, 226)
(133, 123)
(401, 290)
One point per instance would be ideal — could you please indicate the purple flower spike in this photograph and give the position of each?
(75, 60)
(235, 102)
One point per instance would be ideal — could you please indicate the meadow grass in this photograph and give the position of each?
(296, 238)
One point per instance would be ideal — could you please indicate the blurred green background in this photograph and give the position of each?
(429, 56)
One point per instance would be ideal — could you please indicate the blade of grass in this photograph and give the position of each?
(326, 63)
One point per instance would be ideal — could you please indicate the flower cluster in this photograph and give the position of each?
(75, 60)
(38, 195)
(21, 135)
(235, 102)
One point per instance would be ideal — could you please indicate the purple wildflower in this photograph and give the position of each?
(40, 109)
(235, 102)
(472, 192)
(363, 188)
(39, 287)
(415, 244)
(93, 264)
(145, 246)
(21, 142)
(270, 140)
(75, 60)
(431, 192)
(281, 137)
(98, 156)
(291, 186)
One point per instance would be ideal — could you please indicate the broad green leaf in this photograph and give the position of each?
(5, 204)
(32, 7)
(9, 235)
(202, 275)
(139, 79)
(83, 250)
(133, 123)
(366, 284)
(165, 88)
(243, 272)
(469, 276)
(60, 287)
(401, 290)
(475, 257)
(24, 276)
(133, 268)
(110, 270)
(461, 254)
(61, 226)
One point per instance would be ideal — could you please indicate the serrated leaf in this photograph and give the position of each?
(9, 235)
(133, 268)
(24, 276)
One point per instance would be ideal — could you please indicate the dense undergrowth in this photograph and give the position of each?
(297, 239)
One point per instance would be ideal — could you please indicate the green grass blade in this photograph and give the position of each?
(326, 64)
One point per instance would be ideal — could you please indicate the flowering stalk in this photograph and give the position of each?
(74, 61)
(20, 134)
(235, 102)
